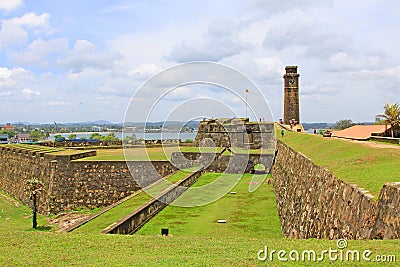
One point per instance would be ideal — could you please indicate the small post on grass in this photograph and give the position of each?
(34, 217)
(34, 187)
(164, 231)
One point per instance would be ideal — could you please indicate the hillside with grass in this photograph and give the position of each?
(367, 167)
(140, 198)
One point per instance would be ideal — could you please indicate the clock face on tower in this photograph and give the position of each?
(291, 81)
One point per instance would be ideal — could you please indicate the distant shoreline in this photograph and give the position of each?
(139, 135)
(82, 133)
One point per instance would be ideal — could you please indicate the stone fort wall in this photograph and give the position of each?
(235, 133)
(72, 184)
(236, 163)
(312, 203)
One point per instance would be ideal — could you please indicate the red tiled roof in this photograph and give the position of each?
(8, 127)
(360, 131)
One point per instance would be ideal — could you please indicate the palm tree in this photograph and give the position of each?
(391, 116)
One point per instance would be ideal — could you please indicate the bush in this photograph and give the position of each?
(343, 124)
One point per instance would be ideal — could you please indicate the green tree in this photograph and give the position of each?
(34, 186)
(391, 116)
(343, 124)
(11, 134)
(129, 139)
(71, 136)
(96, 136)
(59, 138)
(36, 135)
(110, 137)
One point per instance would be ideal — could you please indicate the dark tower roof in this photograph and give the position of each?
(291, 69)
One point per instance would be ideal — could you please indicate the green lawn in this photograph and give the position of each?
(22, 246)
(16, 216)
(142, 153)
(368, 167)
(159, 153)
(247, 214)
(101, 222)
(49, 249)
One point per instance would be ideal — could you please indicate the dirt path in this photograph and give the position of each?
(371, 144)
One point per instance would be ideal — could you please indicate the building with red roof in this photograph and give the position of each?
(362, 132)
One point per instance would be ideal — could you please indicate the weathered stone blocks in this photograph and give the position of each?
(71, 184)
(312, 203)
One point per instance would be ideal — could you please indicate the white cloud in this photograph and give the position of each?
(144, 71)
(178, 94)
(268, 68)
(57, 103)
(30, 93)
(346, 53)
(314, 89)
(273, 6)
(9, 5)
(106, 90)
(39, 51)
(117, 8)
(14, 31)
(86, 55)
(206, 96)
(297, 30)
(254, 32)
(12, 34)
(30, 20)
(231, 99)
(5, 94)
(10, 77)
(384, 81)
(220, 41)
(343, 62)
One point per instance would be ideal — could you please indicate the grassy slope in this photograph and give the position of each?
(368, 167)
(247, 214)
(16, 216)
(101, 222)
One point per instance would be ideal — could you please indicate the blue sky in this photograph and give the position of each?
(84, 60)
